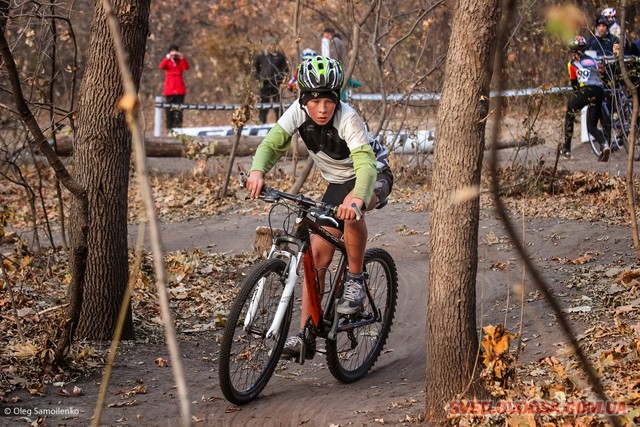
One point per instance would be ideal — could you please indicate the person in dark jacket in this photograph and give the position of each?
(602, 41)
(271, 69)
(174, 64)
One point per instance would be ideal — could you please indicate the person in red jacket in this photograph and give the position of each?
(174, 64)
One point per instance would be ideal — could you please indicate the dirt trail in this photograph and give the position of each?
(395, 387)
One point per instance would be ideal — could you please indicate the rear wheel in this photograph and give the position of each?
(615, 142)
(354, 352)
(247, 357)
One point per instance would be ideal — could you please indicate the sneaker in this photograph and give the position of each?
(352, 299)
(606, 150)
(293, 345)
(566, 153)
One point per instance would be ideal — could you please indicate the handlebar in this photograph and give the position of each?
(324, 210)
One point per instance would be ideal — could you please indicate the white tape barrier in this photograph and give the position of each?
(432, 96)
(399, 142)
(409, 142)
(257, 130)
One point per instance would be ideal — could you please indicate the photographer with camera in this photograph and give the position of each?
(174, 64)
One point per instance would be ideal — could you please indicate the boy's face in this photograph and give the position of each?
(321, 110)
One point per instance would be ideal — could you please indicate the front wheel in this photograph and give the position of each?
(354, 352)
(247, 357)
(624, 128)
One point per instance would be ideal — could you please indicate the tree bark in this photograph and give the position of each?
(452, 337)
(102, 154)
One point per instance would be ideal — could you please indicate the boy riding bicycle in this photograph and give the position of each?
(355, 165)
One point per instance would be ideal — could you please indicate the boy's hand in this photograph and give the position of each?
(346, 212)
(255, 183)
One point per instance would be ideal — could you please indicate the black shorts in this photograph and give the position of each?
(335, 194)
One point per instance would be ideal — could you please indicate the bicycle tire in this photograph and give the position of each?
(615, 142)
(346, 362)
(626, 127)
(247, 360)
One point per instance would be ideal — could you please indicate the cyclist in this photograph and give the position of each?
(588, 89)
(610, 13)
(305, 54)
(355, 165)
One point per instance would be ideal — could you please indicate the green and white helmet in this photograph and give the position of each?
(320, 74)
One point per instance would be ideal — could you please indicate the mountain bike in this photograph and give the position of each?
(621, 110)
(259, 320)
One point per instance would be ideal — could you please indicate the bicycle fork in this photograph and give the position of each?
(287, 293)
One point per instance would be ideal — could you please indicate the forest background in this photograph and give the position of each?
(399, 51)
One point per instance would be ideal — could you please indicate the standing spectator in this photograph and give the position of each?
(332, 45)
(338, 49)
(271, 70)
(325, 42)
(602, 41)
(174, 64)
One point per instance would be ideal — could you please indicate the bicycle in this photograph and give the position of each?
(617, 130)
(259, 320)
(622, 106)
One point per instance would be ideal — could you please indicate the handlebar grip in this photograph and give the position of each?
(243, 179)
(359, 213)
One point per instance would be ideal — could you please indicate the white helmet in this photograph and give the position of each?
(609, 13)
(307, 53)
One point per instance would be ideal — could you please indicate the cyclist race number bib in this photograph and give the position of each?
(583, 75)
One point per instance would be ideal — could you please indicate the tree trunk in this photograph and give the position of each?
(452, 340)
(102, 154)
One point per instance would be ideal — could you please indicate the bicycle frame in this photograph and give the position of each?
(281, 248)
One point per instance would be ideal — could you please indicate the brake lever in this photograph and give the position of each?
(327, 217)
(268, 196)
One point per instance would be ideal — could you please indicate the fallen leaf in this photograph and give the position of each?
(123, 403)
(163, 363)
(582, 260)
